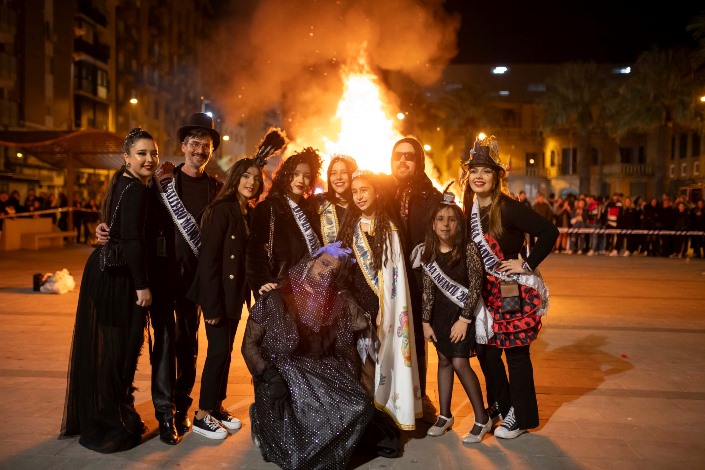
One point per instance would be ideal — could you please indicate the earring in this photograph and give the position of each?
(127, 165)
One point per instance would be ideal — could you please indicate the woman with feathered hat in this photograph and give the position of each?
(513, 291)
(220, 286)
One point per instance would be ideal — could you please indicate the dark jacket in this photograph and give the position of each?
(186, 260)
(220, 285)
(288, 246)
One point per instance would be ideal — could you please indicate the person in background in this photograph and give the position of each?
(697, 223)
(332, 205)
(220, 287)
(514, 293)
(563, 211)
(628, 244)
(682, 224)
(448, 315)
(111, 316)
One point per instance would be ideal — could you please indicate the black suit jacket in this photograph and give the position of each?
(220, 286)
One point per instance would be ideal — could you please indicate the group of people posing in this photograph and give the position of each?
(348, 286)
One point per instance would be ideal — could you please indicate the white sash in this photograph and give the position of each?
(182, 218)
(363, 253)
(455, 292)
(491, 262)
(305, 227)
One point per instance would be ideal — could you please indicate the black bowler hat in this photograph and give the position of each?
(485, 152)
(200, 121)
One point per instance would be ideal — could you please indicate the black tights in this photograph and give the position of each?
(469, 381)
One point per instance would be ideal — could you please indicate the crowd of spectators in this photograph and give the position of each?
(54, 206)
(624, 213)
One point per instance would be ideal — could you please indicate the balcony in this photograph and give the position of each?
(530, 171)
(86, 7)
(627, 169)
(98, 51)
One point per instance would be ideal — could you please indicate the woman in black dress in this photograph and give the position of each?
(282, 232)
(513, 291)
(452, 282)
(332, 205)
(111, 315)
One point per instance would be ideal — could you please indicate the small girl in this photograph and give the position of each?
(452, 282)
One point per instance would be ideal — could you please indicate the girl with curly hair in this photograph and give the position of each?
(381, 289)
(332, 205)
(282, 232)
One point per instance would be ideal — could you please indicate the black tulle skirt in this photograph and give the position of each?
(107, 341)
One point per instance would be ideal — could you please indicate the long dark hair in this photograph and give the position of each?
(133, 136)
(432, 243)
(285, 173)
(229, 190)
(351, 166)
(382, 224)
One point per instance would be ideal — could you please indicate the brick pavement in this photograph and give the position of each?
(619, 367)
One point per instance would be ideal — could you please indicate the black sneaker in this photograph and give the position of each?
(209, 427)
(228, 421)
(509, 429)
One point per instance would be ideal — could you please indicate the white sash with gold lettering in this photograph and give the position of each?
(305, 226)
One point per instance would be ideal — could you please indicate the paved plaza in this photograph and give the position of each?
(619, 369)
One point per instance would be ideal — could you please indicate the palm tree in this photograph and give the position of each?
(575, 98)
(659, 94)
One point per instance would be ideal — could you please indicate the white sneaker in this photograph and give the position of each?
(626, 253)
(209, 427)
(591, 253)
(614, 253)
(569, 252)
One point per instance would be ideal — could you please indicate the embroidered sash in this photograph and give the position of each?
(184, 221)
(492, 262)
(305, 227)
(329, 222)
(363, 253)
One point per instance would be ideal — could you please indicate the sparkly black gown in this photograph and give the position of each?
(108, 337)
(331, 409)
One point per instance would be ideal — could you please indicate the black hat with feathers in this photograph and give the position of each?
(273, 142)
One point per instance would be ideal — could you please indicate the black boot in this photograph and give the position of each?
(181, 422)
(167, 431)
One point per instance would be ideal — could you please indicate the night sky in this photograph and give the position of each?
(608, 31)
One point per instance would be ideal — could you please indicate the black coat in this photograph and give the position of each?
(288, 247)
(220, 285)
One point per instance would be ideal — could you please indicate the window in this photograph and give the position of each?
(671, 171)
(695, 149)
(553, 158)
(696, 168)
(625, 154)
(684, 169)
(569, 160)
(641, 155)
(683, 145)
(595, 156)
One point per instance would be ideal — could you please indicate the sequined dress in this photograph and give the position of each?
(330, 407)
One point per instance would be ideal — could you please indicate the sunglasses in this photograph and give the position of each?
(408, 156)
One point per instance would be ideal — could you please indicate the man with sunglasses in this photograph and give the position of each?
(415, 198)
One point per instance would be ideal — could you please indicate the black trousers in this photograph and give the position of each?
(188, 319)
(163, 354)
(214, 380)
(518, 390)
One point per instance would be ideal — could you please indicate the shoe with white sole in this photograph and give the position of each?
(228, 421)
(509, 429)
(209, 427)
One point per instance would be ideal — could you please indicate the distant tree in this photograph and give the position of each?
(659, 94)
(575, 99)
(696, 27)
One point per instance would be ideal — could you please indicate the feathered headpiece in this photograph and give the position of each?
(274, 141)
(485, 152)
